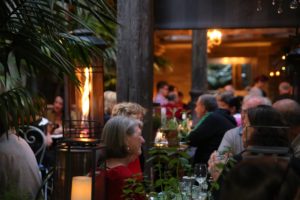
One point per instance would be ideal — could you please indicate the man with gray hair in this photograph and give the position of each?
(232, 141)
(233, 138)
(208, 132)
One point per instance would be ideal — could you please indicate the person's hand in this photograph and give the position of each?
(215, 163)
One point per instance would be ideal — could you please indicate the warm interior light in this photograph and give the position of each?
(215, 36)
(283, 57)
(271, 74)
(283, 68)
(277, 73)
(81, 188)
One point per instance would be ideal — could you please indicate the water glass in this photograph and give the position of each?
(200, 172)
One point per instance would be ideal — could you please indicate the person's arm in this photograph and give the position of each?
(227, 141)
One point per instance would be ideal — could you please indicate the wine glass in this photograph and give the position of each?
(200, 172)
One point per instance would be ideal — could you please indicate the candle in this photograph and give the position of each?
(81, 188)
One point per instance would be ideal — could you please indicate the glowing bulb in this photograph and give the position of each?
(215, 36)
(283, 68)
(271, 74)
(277, 73)
(283, 57)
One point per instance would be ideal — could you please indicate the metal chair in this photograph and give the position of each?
(36, 139)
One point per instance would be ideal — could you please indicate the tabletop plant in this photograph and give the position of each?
(169, 165)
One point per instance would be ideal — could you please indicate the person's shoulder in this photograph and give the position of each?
(119, 172)
(216, 116)
(233, 132)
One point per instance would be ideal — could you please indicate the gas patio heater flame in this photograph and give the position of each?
(85, 101)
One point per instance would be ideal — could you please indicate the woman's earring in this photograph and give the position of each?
(128, 149)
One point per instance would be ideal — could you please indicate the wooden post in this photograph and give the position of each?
(135, 57)
(199, 65)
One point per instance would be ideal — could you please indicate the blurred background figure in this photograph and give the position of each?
(181, 102)
(162, 89)
(259, 86)
(224, 108)
(235, 108)
(110, 99)
(285, 91)
(55, 116)
(229, 88)
(174, 108)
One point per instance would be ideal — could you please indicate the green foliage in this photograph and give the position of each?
(35, 38)
(172, 124)
(160, 62)
(132, 189)
(169, 164)
(218, 75)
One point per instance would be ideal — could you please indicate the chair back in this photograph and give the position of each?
(36, 139)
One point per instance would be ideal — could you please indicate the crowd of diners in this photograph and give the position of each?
(226, 128)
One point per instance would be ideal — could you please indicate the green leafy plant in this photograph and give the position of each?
(133, 188)
(169, 165)
(35, 38)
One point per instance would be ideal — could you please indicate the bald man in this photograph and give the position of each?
(285, 91)
(290, 111)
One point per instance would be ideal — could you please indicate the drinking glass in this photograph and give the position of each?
(200, 172)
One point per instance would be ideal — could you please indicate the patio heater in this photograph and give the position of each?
(80, 156)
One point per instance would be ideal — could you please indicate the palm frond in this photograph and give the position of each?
(37, 33)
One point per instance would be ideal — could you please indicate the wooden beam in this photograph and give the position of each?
(135, 57)
(199, 65)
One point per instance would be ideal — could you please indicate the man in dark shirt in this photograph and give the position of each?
(209, 131)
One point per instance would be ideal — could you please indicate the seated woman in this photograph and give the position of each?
(123, 140)
(55, 116)
(135, 111)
